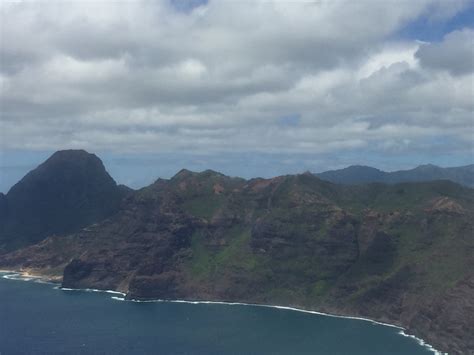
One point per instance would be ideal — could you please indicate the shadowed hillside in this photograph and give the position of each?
(67, 192)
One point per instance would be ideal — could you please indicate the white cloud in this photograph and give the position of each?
(392, 53)
(141, 76)
(188, 69)
(454, 54)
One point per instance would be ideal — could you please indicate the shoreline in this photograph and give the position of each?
(401, 329)
(28, 276)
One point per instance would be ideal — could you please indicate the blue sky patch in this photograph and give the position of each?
(424, 28)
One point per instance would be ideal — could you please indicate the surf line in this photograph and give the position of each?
(91, 290)
(24, 276)
(401, 332)
(21, 277)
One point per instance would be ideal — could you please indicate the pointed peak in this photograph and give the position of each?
(210, 172)
(361, 168)
(183, 173)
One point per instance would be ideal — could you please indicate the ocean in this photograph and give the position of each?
(40, 318)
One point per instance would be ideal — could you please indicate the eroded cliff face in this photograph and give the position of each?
(400, 254)
(448, 318)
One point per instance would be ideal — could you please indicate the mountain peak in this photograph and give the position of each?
(71, 153)
(359, 174)
(68, 191)
(183, 173)
(361, 168)
(210, 172)
(354, 174)
(427, 167)
(75, 156)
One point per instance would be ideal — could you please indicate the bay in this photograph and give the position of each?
(38, 318)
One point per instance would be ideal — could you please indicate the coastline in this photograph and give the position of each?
(27, 275)
(401, 329)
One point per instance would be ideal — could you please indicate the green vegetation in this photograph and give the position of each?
(236, 254)
(204, 206)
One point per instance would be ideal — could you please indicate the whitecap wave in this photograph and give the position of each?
(118, 298)
(19, 276)
(91, 290)
(421, 342)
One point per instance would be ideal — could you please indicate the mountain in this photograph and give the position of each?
(401, 254)
(67, 192)
(358, 174)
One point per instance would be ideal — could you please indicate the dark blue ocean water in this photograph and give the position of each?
(39, 319)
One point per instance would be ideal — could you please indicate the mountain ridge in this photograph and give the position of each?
(361, 174)
(399, 254)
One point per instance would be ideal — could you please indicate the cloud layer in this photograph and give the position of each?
(306, 77)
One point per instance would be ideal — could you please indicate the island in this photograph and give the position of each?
(399, 253)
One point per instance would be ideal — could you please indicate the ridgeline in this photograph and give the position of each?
(401, 253)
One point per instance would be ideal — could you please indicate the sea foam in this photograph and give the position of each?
(91, 290)
(21, 277)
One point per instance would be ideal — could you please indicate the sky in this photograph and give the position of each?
(248, 88)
